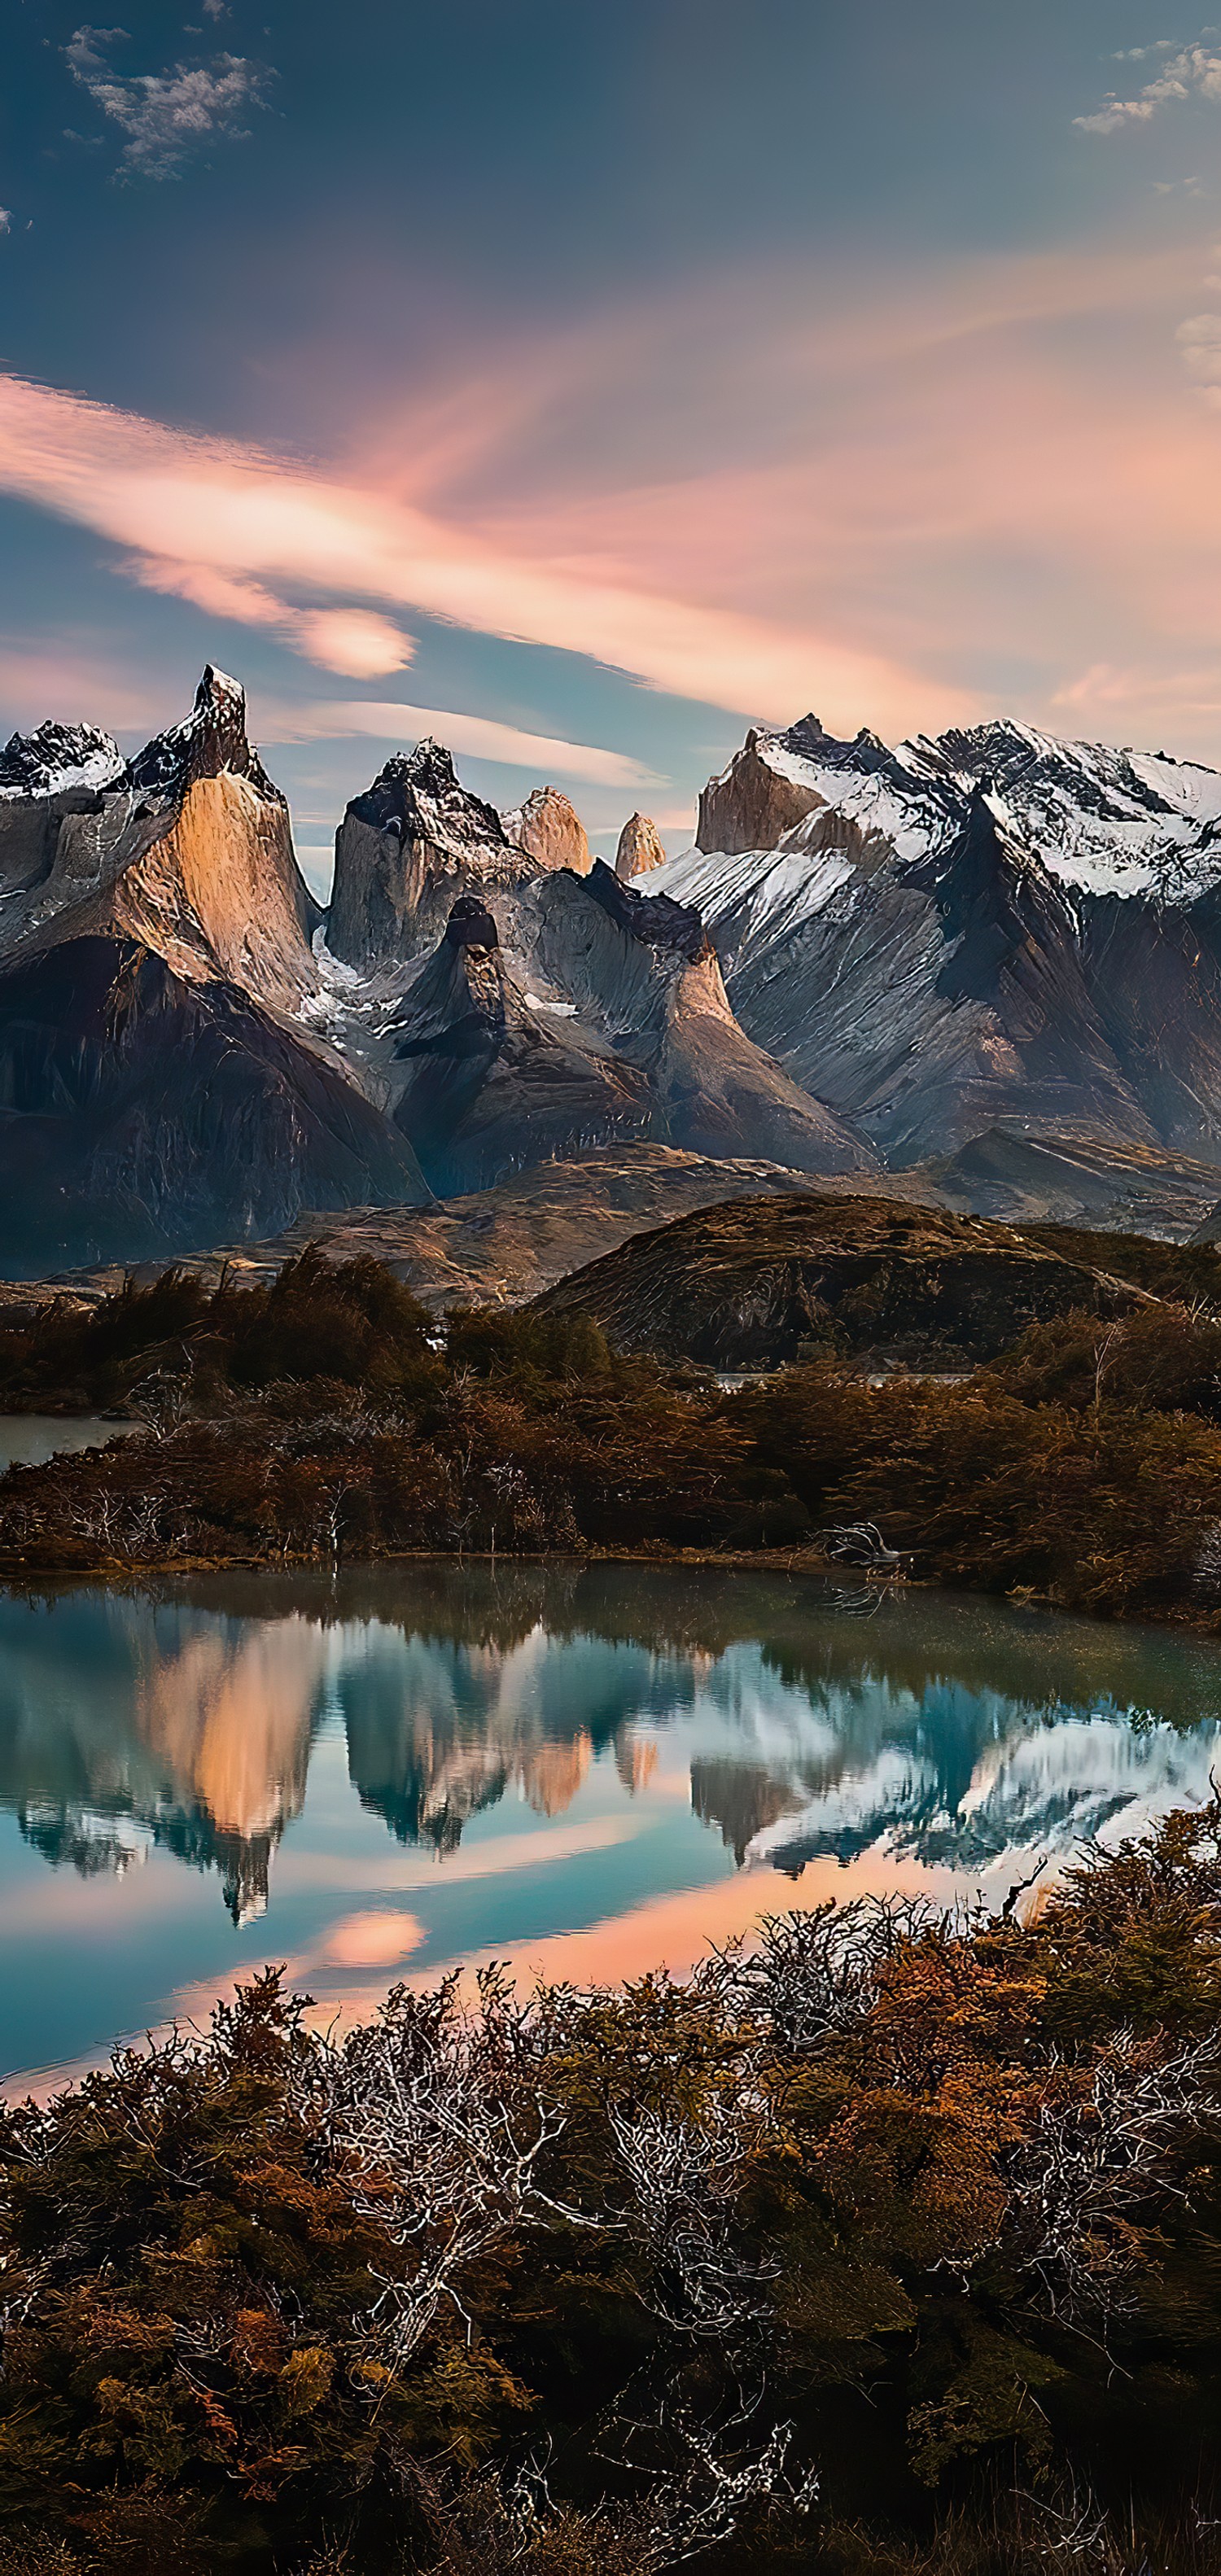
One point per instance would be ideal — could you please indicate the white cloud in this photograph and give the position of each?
(477, 736)
(215, 9)
(6, 220)
(1193, 73)
(352, 640)
(1199, 338)
(166, 116)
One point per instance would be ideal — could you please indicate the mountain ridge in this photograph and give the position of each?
(871, 959)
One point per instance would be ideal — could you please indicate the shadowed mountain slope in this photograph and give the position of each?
(143, 1113)
(990, 929)
(492, 1083)
(606, 1017)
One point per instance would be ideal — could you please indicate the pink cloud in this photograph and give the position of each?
(993, 474)
(193, 509)
(388, 720)
(898, 504)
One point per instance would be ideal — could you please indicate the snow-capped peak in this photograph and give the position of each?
(210, 740)
(1103, 821)
(58, 758)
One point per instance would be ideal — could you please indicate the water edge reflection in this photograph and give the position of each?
(297, 1738)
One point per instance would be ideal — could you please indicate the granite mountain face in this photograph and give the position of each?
(161, 1070)
(990, 929)
(990, 962)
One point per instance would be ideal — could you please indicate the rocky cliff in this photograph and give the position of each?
(406, 851)
(639, 847)
(992, 929)
(548, 827)
(989, 961)
(188, 849)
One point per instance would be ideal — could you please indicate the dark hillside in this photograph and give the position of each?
(759, 1282)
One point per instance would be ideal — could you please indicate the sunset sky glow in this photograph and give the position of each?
(595, 382)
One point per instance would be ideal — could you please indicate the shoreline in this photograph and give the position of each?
(787, 1561)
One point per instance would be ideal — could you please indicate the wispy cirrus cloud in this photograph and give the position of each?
(166, 116)
(1193, 72)
(478, 737)
(232, 526)
(355, 642)
(966, 488)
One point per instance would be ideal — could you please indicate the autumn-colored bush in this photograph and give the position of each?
(1114, 1508)
(883, 2236)
(326, 1415)
(1158, 1358)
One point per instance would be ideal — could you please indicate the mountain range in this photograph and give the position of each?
(989, 963)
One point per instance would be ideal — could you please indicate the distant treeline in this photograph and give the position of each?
(890, 2246)
(328, 1416)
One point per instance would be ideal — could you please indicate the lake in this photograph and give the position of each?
(589, 1770)
(29, 1439)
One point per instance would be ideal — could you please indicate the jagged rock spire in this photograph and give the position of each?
(639, 847)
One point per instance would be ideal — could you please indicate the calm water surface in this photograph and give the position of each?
(590, 1770)
(29, 1439)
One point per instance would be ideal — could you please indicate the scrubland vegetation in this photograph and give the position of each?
(890, 2244)
(327, 1416)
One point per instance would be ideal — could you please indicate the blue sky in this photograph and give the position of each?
(613, 377)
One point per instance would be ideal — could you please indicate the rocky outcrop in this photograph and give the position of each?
(491, 1080)
(755, 1282)
(59, 760)
(548, 827)
(640, 968)
(762, 793)
(144, 1114)
(188, 851)
(639, 848)
(404, 853)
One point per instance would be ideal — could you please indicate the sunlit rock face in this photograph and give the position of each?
(760, 796)
(405, 851)
(639, 847)
(550, 829)
(162, 1070)
(187, 849)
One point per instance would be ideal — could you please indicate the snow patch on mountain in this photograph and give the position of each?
(772, 889)
(58, 758)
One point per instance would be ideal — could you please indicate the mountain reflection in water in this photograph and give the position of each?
(946, 1736)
